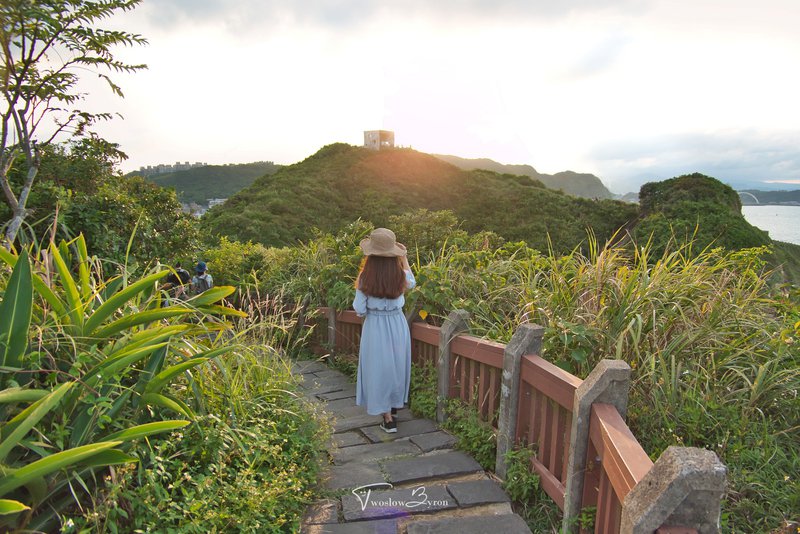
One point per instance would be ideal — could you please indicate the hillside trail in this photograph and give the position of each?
(411, 481)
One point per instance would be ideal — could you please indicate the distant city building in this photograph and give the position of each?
(215, 202)
(162, 168)
(378, 139)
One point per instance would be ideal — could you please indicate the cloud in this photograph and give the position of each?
(738, 158)
(238, 14)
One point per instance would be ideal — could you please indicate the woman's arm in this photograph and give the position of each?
(410, 280)
(360, 303)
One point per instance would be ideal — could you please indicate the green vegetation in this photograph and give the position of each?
(47, 47)
(92, 364)
(712, 344)
(78, 192)
(341, 183)
(573, 183)
(695, 208)
(212, 181)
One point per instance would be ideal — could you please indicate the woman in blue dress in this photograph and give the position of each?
(384, 361)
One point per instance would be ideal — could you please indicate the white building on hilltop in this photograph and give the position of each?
(378, 139)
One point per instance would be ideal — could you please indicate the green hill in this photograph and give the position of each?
(212, 181)
(578, 184)
(341, 183)
(695, 206)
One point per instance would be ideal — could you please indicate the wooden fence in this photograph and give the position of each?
(586, 456)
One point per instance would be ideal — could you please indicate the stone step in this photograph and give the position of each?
(370, 504)
(506, 523)
(374, 451)
(353, 475)
(432, 465)
(381, 526)
(434, 441)
(404, 429)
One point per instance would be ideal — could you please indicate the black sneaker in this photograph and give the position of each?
(390, 427)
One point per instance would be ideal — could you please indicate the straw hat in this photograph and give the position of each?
(382, 242)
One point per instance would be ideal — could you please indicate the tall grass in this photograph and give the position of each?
(714, 356)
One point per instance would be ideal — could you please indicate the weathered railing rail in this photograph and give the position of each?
(586, 456)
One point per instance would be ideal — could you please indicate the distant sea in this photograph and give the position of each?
(782, 222)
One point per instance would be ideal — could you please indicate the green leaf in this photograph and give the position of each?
(136, 319)
(73, 298)
(146, 429)
(163, 378)
(222, 310)
(15, 313)
(10, 395)
(166, 401)
(210, 296)
(109, 457)
(83, 268)
(38, 284)
(7, 506)
(116, 301)
(54, 462)
(43, 406)
(113, 364)
(155, 334)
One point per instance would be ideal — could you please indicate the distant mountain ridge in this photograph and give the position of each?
(199, 184)
(574, 183)
(791, 198)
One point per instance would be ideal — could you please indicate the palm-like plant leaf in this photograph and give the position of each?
(71, 293)
(118, 300)
(43, 406)
(15, 313)
(147, 429)
(164, 377)
(38, 284)
(8, 506)
(43, 467)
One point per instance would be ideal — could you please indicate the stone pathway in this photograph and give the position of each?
(410, 482)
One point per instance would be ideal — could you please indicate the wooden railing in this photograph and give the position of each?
(544, 419)
(603, 466)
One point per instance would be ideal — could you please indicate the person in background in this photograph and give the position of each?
(384, 360)
(175, 283)
(201, 281)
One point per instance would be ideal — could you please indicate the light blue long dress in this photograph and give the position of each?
(384, 360)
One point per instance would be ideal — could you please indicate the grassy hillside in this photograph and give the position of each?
(342, 183)
(578, 184)
(213, 181)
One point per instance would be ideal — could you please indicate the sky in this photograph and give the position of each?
(629, 90)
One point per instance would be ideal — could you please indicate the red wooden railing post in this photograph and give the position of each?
(527, 339)
(684, 488)
(609, 383)
(455, 323)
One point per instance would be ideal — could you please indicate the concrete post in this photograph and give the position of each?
(527, 339)
(332, 329)
(684, 488)
(609, 383)
(456, 323)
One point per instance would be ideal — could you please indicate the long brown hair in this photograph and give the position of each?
(381, 276)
